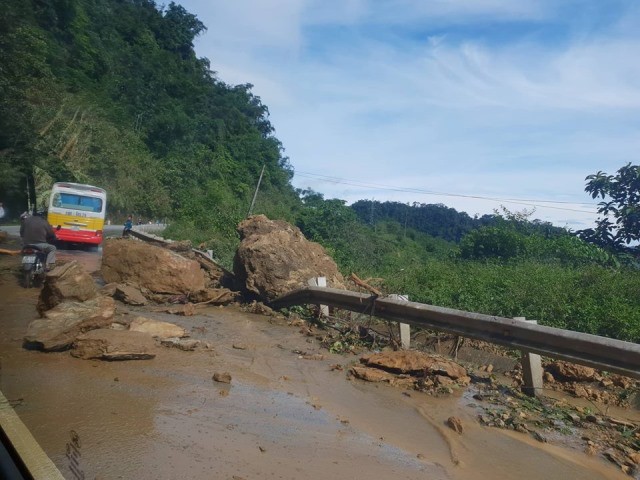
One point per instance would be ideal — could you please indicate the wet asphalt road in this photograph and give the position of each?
(109, 230)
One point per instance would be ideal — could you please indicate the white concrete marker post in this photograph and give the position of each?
(531, 368)
(320, 282)
(405, 328)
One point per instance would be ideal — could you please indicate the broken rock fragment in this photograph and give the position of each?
(63, 323)
(108, 344)
(68, 282)
(222, 377)
(455, 424)
(156, 328)
(185, 344)
(129, 295)
(414, 362)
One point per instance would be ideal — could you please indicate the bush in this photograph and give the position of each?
(591, 299)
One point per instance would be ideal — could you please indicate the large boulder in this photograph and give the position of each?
(63, 323)
(108, 344)
(274, 258)
(68, 282)
(154, 268)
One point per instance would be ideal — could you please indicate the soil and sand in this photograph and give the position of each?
(287, 412)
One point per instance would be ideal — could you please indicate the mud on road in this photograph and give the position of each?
(283, 415)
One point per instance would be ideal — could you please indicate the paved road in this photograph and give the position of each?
(109, 230)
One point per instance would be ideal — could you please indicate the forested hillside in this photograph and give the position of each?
(110, 92)
(439, 220)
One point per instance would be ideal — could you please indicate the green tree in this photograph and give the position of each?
(619, 224)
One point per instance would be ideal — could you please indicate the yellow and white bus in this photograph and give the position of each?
(77, 212)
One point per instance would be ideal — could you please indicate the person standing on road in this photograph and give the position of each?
(35, 230)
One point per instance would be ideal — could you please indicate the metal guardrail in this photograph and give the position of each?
(599, 352)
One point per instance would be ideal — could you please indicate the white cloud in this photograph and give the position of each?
(460, 112)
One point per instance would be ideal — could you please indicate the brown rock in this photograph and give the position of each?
(154, 268)
(107, 344)
(274, 258)
(412, 361)
(215, 296)
(222, 377)
(376, 375)
(443, 380)
(634, 458)
(156, 328)
(129, 295)
(259, 308)
(188, 310)
(372, 374)
(68, 282)
(622, 382)
(571, 372)
(580, 391)
(109, 289)
(455, 424)
(180, 246)
(185, 344)
(591, 450)
(66, 321)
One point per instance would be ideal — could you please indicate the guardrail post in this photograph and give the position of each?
(531, 368)
(405, 329)
(320, 282)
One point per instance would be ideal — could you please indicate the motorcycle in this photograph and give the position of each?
(33, 265)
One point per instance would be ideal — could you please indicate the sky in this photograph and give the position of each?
(470, 103)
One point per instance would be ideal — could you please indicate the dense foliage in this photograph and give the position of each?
(514, 267)
(444, 222)
(110, 92)
(619, 226)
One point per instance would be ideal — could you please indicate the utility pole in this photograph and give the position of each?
(255, 195)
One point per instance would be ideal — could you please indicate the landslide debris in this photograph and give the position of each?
(63, 323)
(274, 258)
(68, 282)
(154, 268)
(108, 344)
(412, 369)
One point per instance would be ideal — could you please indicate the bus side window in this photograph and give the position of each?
(56, 200)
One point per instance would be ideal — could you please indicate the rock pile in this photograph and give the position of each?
(412, 369)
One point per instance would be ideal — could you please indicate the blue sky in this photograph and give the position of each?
(441, 101)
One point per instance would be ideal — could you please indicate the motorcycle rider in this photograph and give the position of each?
(128, 225)
(35, 230)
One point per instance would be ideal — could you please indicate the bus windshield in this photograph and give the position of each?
(78, 202)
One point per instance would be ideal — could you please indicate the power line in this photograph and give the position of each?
(527, 202)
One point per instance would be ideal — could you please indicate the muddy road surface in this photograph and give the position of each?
(284, 415)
